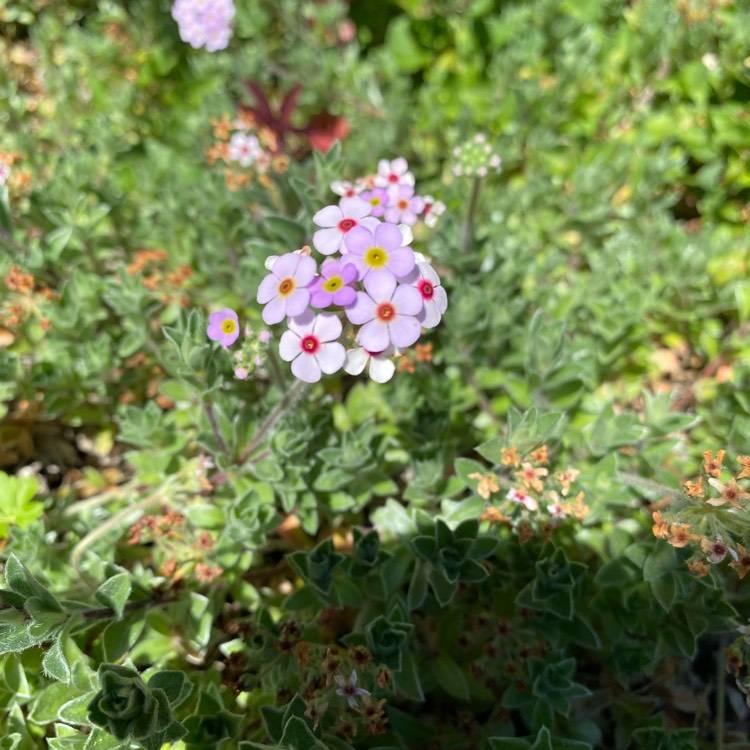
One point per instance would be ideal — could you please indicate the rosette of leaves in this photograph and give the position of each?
(211, 724)
(366, 554)
(129, 708)
(316, 567)
(450, 557)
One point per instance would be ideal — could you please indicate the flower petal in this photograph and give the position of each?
(268, 289)
(274, 311)
(374, 336)
(388, 236)
(358, 240)
(404, 331)
(380, 286)
(306, 367)
(355, 208)
(426, 271)
(356, 359)
(329, 216)
(362, 310)
(289, 346)
(382, 369)
(327, 327)
(331, 357)
(349, 273)
(344, 296)
(297, 302)
(430, 315)
(302, 324)
(327, 241)
(408, 300)
(286, 265)
(401, 261)
(305, 270)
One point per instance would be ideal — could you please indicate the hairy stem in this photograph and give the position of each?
(468, 236)
(209, 407)
(633, 480)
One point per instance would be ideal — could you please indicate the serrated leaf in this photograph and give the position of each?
(55, 664)
(114, 592)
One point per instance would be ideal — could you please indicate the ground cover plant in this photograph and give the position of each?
(372, 375)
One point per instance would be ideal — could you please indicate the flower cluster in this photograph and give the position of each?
(247, 150)
(530, 497)
(204, 23)
(712, 518)
(4, 173)
(371, 280)
(391, 195)
(475, 158)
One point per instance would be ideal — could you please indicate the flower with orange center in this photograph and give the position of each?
(730, 493)
(742, 564)
(284, 291)
(531, 477)
(566, 478)
(695, 489)
(699, 568)
(713, 466)
(487, 484)
(680, 536)
(716, 550)
(540, 455)
(660, 527)
(509, 456)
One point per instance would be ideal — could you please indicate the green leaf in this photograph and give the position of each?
(55, 664)
(114, 592)
(298, 736)
(450, 676)
(22, 582)
(174, 683)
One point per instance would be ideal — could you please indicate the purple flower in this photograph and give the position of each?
(381, 368)
(403, 205)
(424, 279)
(223, 326)
(310, 345)
(348, 688)
(379, 253)
(283, 291)
(332, 284)
(392, 173)
(337, 221)
(204, 23)
(387, 312)
(378, 199)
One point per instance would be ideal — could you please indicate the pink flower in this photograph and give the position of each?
(244, 149)
(241, 373)
(519, 497)
(387, 312)
(310, 345)
(204, 23)
(4, 173)
(332, 284)
(379, 253)
(348, 689)
(338, 221)
(432, 210)
(392, 173)
(378, 199)
(381, 365)
(403, 205)
(344, 189)
(223, 326)
(283, 291)
(424, 279)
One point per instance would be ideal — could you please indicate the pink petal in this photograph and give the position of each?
(214, 331)
(356, 359)
(327, 327)
(408, 218)
(399, 165)
(349, 273)
(370, 222)
(327, 241)
(305, 270)
(320, 298)
(426, 271)
(392, 214)
(297, 302)
(362, 310)
(302, 324)
(355, 208)
(331, 357)
(381, 286)
(286, 265)
(401, 260)
(344, 296)
(382, 369)
(404, 331)
(274, 311)
(374, 336)
(440, 298)
(268, 289)
(430, 315)
(306, 367)
(228, 339)
(358, 240)
(408, 300)
(289, 346)
(388, 236)
(329, 216)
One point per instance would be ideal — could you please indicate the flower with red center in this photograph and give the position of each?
(531, 476)
(348, 688)
(432, 210)
(310, 345)
(392, 173)
(424, 279)
(223, 326)
(387, 312)
(379, 253)
(283, 291)
(742, 563)
(344, 189)
(716, 550)
(378, 199)
(730, 493)
(519, 497)
(403, 205)
(381, 366)
(244, 149)
(332, 286)
(337, 221)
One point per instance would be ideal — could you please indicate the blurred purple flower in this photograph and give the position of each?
(223, 326)
(204, 23)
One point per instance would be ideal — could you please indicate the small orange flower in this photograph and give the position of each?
(742, 563)
(745, 462)
(540, 455)
(695, 489)
(713, 466)
(493, 515)
(510, 457)
(424, 352)
(699, 568)
(660, 527)
(566, 478)
(730, 493)
(531, 477)
(487, 485)
(679, 535)
(715, 550)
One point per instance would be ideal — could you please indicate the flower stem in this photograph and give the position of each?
(209, 407)
(290, 399)
(633, 480)
(468, 236)
(278, 373)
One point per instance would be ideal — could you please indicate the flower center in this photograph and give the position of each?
(403, 204)
(376, 257)
(346, 224)
(286, 287)
(228, 326)
(426, 289)
(393, 178)
(333, 284)
(385, 312)
(374, 201)
(309, 344)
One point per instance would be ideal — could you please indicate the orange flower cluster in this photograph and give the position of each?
(149, 264)
(711, 519)
(22, 302)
